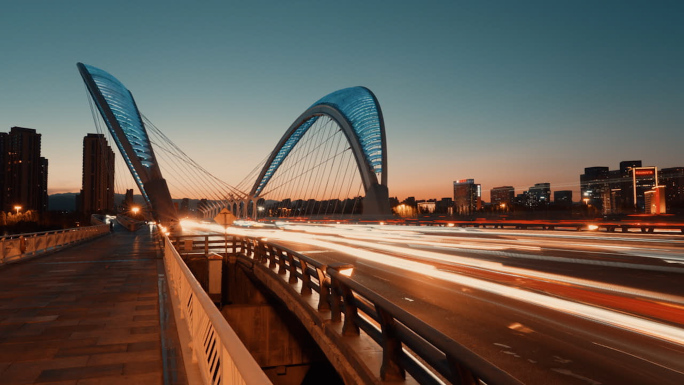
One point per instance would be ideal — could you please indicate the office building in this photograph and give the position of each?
(562, 198)
(624, 190)
(24, 172)
(97, 193)
(502, 197)
(539, 195)
(672, 179)
(467, 197)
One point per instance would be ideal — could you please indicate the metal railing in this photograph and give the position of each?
(408, 343)
(216, 349)
(16, 247)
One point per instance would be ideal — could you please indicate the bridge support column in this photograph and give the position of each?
(376, 202)
(279, 343)
(160, 199)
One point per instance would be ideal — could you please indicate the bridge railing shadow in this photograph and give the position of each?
(409, 345)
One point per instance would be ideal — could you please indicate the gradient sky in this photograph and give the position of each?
(505, 92)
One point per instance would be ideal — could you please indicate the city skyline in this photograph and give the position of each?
(506, 94)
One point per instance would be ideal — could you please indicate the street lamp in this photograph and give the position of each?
(17, 208)
(135, 210)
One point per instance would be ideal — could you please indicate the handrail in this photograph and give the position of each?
(221, 356)
(16, 247)
(394, 327)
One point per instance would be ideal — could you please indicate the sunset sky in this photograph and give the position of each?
(504, 92)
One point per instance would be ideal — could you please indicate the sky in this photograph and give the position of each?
(503, 92)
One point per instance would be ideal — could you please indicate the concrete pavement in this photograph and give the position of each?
(92, 314)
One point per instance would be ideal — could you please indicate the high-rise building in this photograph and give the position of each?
(25, 172)
(502, 197)
(97, 194)
(593, 183)
(539, 195)
(467, 197)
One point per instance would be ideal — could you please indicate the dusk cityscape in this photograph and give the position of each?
(353, 193)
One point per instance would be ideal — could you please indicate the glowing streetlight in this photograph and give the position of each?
(135, 210)
(17, 208)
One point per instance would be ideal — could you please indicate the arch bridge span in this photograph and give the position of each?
(354, 110)
(358, 114)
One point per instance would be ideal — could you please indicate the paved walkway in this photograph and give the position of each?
(89, 315)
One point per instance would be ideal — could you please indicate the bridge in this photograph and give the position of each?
(380, 302)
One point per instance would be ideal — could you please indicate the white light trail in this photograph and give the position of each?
(599, 315)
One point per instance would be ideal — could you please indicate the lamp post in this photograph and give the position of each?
(18, 208)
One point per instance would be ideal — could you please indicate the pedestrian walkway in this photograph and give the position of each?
(90, 314)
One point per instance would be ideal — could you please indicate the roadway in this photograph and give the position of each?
(549, 307)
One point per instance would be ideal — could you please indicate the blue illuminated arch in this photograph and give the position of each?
(357, 111)
(122, 117)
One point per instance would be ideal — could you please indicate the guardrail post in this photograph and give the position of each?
(215, 266)
(271, 256)
(262, 251)
(459, 373)
(281, 262)
(343, 299)
(293, 268)
(324, 289)
(391, 369)
(306, 278)
(22, 244)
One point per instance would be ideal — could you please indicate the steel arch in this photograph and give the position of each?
(120, 112)
(357, 111)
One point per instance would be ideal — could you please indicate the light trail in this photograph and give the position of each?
(381, 240)
(355, 248)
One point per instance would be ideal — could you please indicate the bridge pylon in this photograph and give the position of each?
(122, 117)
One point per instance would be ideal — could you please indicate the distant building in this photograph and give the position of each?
(673, 180)
(24, 172)
(643, 179)
(445, 206)
(467, 197)
(184, 207)
(610, 191)
(427, 207)
(624, 190)
(502, 197)
(97, 193)
(593, 183)
(562, 198)
(655, 200)
(540, 194)
(128, 201)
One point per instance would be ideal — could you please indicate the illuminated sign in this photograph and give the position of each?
(461, 181)
(644, 172)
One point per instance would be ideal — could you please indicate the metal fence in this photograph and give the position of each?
(19, 246)
(408, 344)
(216, 349)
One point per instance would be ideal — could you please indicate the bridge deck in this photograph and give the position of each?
(89, 315)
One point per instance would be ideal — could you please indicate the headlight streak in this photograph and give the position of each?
(599, 315)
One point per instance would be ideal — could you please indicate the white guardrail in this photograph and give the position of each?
(19, 246)
(217, 351)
